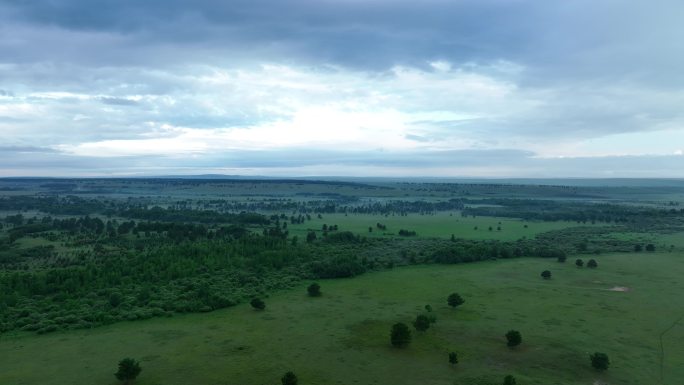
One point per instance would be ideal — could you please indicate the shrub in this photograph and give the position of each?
(289, 379)
(314, 290)
(514, 338)
(422, 323)
(129, 369)
(455, 300)
(258, 304)
(599, 361)
(400, 335)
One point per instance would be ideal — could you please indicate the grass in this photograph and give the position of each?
(343, 336)
(440, 225)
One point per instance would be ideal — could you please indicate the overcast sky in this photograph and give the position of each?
(487, 88)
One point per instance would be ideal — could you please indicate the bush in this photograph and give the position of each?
(514, 338)
(258, 304)
(289, 379)
(546, 274)
(455, 300)
(422, 323)
(509, 380)
(314, 290)
(400, 335)
(579, 263)
(599, 361)
(453, 358)
(592, 263)
(129, 369)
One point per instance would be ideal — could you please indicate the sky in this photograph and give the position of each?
(444, 88)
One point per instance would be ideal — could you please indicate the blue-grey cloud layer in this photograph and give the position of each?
(561, 75)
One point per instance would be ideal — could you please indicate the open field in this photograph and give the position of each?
(342, 337)
(439, 225)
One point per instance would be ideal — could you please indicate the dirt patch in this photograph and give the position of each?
(619, 288)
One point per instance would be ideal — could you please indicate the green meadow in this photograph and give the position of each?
(438, 225)
(342, 337)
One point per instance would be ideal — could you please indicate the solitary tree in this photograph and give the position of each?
(258, 304)
(314, 290)
(546, 274)
(579, 263)
(509, 380)
(455, 300)
(289, 379)
(599, 361)
(514, 338)
(128, 370)
(592, 263)
(400, 335)
(453, 358)
(422, 323)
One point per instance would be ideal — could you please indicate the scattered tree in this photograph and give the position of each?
(592, 263)
(289, 379)
(638, 248)
(650, 247)
(509, 380)
(599, 361)
(514, 338)
(454, 300)
(546, 274)
(258, 304)
(314, 290)
(129, 369)
(400, 335)
(422, 323)
(579, 263)
(453, 358)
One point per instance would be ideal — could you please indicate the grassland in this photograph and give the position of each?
(342, 337)
(439, 225)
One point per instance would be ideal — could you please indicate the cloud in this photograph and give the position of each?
(166, 81)
(25, 149)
